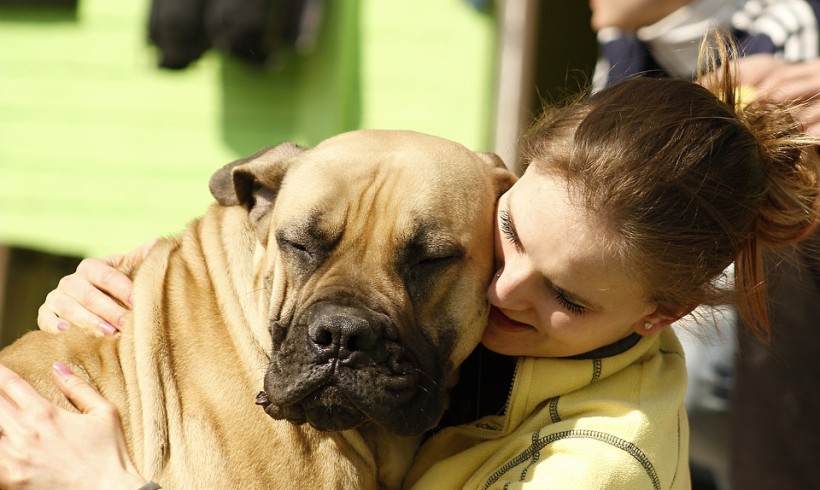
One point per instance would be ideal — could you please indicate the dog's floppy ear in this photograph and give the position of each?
(503, 179)
(254, 181)
(266, 167)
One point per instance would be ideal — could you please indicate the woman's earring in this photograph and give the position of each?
(648, 325)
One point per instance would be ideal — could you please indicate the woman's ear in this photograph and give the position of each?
(659, 319)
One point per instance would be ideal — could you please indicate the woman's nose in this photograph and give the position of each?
(510, 287)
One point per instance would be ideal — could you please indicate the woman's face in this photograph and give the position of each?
(558, 291)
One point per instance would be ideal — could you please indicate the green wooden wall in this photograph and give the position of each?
(100, 150)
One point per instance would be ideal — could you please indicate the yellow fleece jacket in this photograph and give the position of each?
(603, 423)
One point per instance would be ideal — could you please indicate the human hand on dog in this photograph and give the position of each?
(96, 296)
(45, 447)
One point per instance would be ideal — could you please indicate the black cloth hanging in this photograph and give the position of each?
(176, 28)
(251, 30)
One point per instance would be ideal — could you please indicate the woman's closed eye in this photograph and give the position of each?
(565, 302)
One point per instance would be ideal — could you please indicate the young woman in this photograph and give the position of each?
(633, 203)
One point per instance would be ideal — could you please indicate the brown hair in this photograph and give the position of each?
(687, 182)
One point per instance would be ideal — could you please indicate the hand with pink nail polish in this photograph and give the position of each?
(45, 447)
(97, 296)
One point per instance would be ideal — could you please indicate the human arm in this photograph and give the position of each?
(96, 296)
(45, 447)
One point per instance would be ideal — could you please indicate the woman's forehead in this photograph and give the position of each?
(565, 243)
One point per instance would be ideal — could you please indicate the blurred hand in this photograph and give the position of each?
(94, 295)
(779, 81)
(45, 447)
(630, 15)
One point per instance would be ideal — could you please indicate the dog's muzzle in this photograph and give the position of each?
(345, 365)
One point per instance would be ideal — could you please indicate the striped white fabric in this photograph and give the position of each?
(788, 29)
(790, 24)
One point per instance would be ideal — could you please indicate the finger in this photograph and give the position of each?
(78, 302)
(18, 391)
(8, 407)
(18, 397)
(793, 80)
(787, 71)
(104, 275)
(794, 89)
(754, 69)
(75, 314)
(813, 129)
(48, 321)
(810, 118)
(9, 418)
(81, 394)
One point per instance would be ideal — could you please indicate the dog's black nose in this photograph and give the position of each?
(342, 331)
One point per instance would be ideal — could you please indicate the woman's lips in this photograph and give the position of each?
(503, 322)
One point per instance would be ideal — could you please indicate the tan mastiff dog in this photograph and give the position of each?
(347, 281)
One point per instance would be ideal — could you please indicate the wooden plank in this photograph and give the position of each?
(34, 274)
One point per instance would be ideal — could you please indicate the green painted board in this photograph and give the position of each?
(100, 150)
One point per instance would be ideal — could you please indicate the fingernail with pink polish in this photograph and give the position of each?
(106, 328)
(62, 326)
(61, 368)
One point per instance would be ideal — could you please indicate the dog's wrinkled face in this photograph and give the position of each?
(376, 247)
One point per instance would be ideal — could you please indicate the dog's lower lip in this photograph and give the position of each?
(503, 322)
(262, 399)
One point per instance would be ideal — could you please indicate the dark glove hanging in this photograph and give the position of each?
(250, 30)
(243, 28)
(176, 28)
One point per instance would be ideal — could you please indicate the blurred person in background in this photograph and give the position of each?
(770, 387)
(779, 44)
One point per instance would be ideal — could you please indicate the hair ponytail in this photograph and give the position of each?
(790, 209)
(789, 164)
(689, 178)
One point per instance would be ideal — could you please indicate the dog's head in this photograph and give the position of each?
(376, 250)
